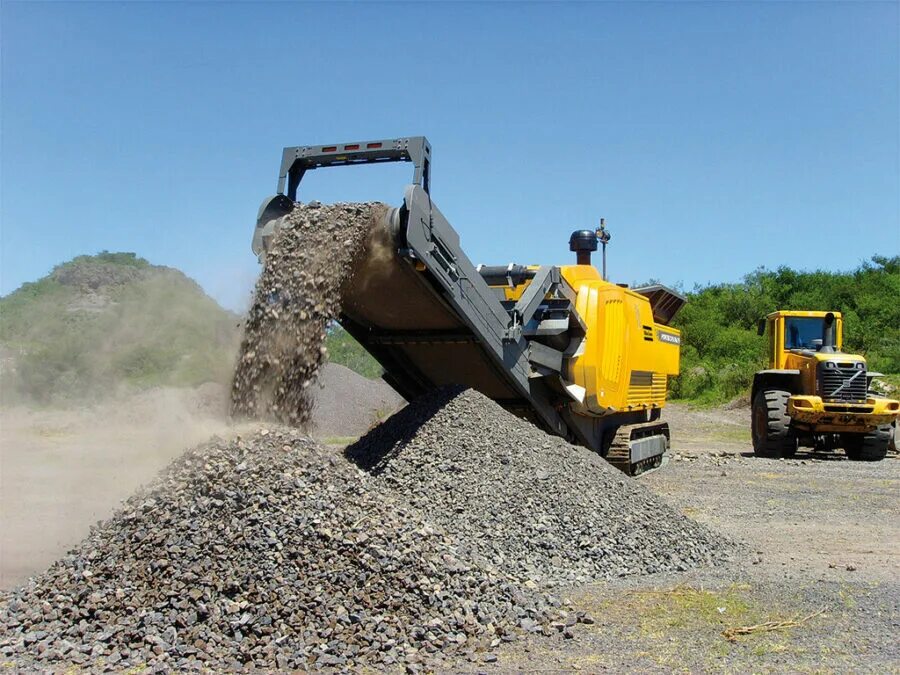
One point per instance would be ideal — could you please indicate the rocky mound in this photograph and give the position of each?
(268, 553)
(348, 404)
(298, 293)
(104, 325)
(533, 505)
(93, 273)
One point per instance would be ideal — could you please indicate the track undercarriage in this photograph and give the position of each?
(638, 448)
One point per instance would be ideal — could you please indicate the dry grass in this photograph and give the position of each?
(732, 634)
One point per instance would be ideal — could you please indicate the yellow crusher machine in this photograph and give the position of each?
(578, 356)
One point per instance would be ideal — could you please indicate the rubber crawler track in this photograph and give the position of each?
(619, 454)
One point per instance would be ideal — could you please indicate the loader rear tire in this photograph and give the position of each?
(870, 447)
(771, 425)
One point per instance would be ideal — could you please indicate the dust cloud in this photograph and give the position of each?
(126, 365)
(61, 470)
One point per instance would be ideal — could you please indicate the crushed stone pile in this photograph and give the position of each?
(347, 405)
(529, 503)
(298, 293)
(268, 553)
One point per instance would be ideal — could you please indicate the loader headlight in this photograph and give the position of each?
(860, 365)
(830, 364)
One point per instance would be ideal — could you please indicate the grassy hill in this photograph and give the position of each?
(722, 349)
(99, 322)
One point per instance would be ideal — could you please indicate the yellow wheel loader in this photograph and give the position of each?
(561, 346)
(815, 395)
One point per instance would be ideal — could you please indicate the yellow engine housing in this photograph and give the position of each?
(626, 357)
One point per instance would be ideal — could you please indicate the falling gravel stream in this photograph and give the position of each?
(298, 293)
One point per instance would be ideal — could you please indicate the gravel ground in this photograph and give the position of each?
(272, 553)
(533, 505)
(821, 533)
(298, 293)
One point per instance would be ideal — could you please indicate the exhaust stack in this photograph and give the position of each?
(828, 333)
(583, 243)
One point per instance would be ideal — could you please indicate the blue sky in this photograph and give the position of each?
(714, 138)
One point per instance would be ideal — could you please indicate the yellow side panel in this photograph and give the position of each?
(614, 329)
(625, 359)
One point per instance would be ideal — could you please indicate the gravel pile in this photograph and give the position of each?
(296, 296)
(268, 553)
(348, 404)
(531, 504)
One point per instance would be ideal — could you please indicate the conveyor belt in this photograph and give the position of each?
(399, 315)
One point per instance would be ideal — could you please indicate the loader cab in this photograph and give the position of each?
(794, 336)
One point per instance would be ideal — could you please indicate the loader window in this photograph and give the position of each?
(799, 332)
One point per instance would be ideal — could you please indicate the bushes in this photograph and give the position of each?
(343, 349)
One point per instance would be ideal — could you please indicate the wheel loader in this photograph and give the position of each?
(815, 395)
(561, 346)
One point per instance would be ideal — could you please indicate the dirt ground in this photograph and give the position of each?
(819, 541)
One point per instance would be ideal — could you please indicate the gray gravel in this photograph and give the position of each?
(268, 553)
(298, 293)
(347, 405)
(821, 533)
(530, 504)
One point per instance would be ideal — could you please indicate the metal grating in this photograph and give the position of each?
(845, 382)
(647, 388)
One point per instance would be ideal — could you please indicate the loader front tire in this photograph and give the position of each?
(869, 447)
(771, 425)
